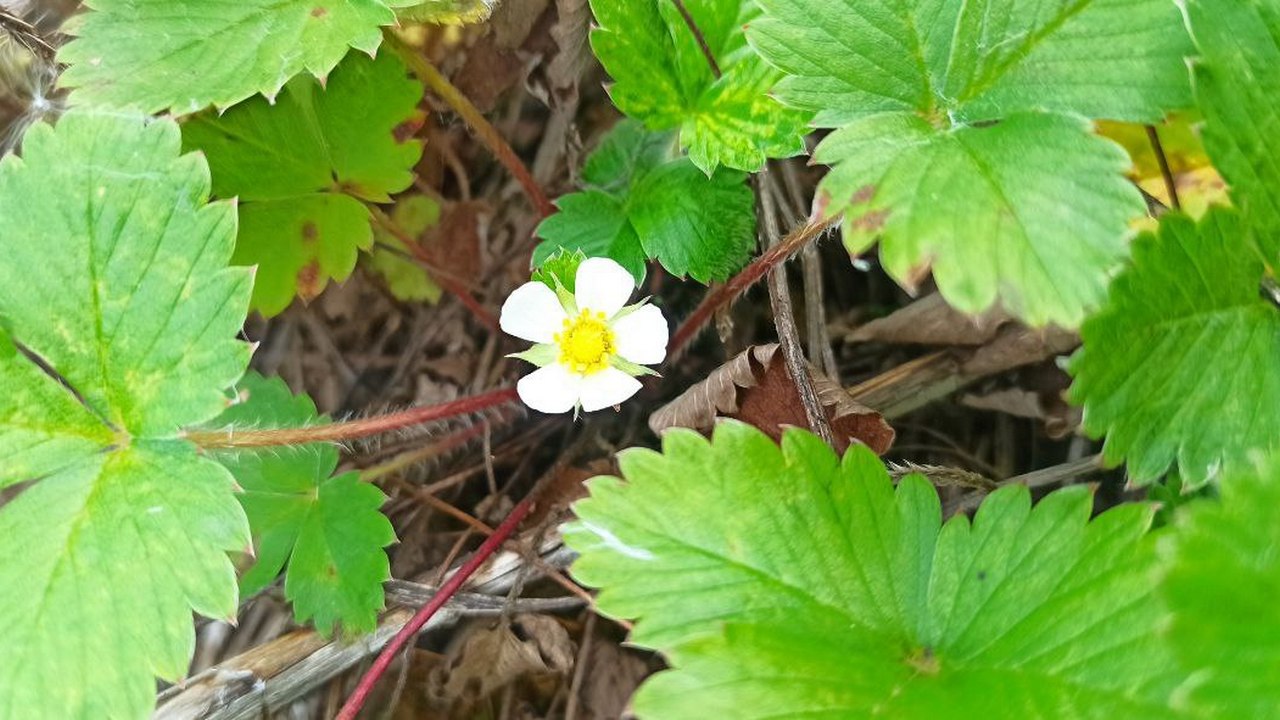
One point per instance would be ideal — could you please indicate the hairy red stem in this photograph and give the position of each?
(420, 618)
(488, 134)
(750, 275)
(352, 429)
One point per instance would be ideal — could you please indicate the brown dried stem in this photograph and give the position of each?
(785, 321)
(487, 133)
(795, 241)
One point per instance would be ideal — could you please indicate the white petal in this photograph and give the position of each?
(641, 336)
(552, 389)
(607, 388)
(532, 313)
(602, 285)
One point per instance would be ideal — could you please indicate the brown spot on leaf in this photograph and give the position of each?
(917, 275)
(870, 222)
(864, 194)
(407, 130)
(319, 12)
(309, 232)
(309, 282)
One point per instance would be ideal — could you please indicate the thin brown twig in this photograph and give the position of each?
(784, 318)
(580, 666)
(699, 37)
(1162, 160)
(487, 133)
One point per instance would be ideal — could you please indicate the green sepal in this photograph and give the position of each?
(560, 269)
(542, 354)
(630, 309)
(631, 368)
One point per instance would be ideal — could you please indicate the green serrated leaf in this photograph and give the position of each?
(1221, 586)
(115, 277)
(1237, 78)
(640, 203)
(942, 105)
(1180, 364)
(984, 208)
(328, 529)
(302, 166)
(662, 78)
(184, 55)
(406, 279)
(826, 593)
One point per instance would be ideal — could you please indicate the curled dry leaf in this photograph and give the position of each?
(486, 657)
(754, 387)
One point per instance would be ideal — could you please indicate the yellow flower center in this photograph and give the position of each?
(586, 343)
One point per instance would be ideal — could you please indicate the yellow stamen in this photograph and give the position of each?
(587, 343)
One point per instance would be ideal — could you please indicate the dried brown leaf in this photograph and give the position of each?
(931, 321)
(754, 387)
(488, 656)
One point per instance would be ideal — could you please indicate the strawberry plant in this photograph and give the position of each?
(1008, 449)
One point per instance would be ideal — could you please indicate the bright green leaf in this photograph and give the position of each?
(950, 147)
(662, 78)
(328, 529)
(184, 55)
(594, 223)
(983, 208)
(1222, 589)
(302, 166)
(639, 202)
(1181, 363)
(406, 279)
(825, 592)
(1237, 80)
(115, 277)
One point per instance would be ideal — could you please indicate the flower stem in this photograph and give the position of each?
(351, 429)
(750, 275)
(442, 596)
(488, 134)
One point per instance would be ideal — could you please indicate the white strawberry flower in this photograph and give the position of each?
(590, 345)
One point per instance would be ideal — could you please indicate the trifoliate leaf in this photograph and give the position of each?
(1180, 365)
(115, 277)
(302, 165)
(328, 529)
(825, 592)
(1237, 77)
(406, 279)
(662, 77)
(951, 144)
(184, 55)
(640, 202)
(1222, 588)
